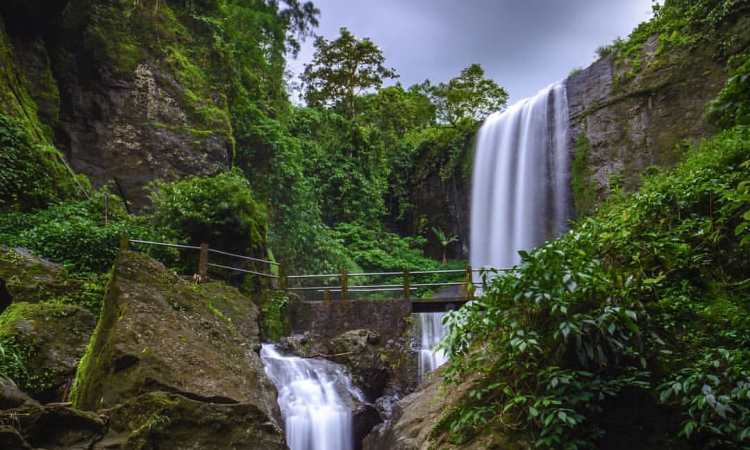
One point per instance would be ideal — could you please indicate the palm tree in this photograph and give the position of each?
(445, 241)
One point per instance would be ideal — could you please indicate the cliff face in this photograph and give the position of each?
(625, 119)
(129, 90)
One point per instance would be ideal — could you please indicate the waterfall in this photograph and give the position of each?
(316, 399)
(431, 331)
(520, 193)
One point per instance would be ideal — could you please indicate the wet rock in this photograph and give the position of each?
(10, 438)
(375, 366)
(361, 351)
(364, 418)
(12, 397)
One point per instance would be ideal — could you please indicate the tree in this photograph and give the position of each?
(299, 19)
(445, 241)
(468, 96)
(342, 69)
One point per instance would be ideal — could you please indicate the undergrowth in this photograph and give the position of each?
(648, 298)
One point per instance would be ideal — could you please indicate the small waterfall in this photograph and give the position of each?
(431, 331)
(520, 193)
(316, 399)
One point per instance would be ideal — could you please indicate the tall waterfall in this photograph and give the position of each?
(431, 331)
(520, 194)
(316, 398)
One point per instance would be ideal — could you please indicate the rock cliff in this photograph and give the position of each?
(623, 122)
(129, 91)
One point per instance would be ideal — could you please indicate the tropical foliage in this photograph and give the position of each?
(646, 299)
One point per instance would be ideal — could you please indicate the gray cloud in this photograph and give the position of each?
(523, 44)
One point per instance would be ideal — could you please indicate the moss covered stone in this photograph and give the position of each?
(158, 332)
(173, 422)
(43, 343)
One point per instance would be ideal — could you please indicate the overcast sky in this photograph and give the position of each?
(522, 44)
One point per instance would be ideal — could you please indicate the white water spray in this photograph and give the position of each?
(520, 194)
(431, 331)
(316, 398)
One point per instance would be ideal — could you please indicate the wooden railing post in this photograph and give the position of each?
(407, 284)
(469, 282)
(344, 285)
(327, 296)
(124, 242)
(203, 262)
(283, 280)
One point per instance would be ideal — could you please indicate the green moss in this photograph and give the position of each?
(207, 107)
(15, 99)
(18, 350)
(111, 34)
(97, 355)
(584, 191)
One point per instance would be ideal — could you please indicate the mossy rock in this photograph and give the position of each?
(417, 424)
(43, 343)
(158, 332)
(166, 421)
(32, 279)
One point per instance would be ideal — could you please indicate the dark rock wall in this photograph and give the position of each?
(445, 205)
(390, 319)
(129, 91)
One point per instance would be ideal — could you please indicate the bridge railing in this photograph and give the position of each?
(394, 284)
(412, 285)
(204, 261)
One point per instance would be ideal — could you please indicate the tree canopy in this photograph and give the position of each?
(468, 96)
(343, 68)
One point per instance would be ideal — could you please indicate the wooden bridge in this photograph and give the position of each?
(429, 290)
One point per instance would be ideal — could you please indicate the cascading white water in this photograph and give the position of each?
(316, 398)
(520, 194)
(431, 332)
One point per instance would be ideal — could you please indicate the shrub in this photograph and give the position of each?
(219, 210)
(732, 106)
(77, 235)
(377, 249)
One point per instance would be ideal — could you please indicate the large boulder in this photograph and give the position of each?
(173, 422)
(159, 333)
(49, 339)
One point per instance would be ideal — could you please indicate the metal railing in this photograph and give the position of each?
(203, 259)
(330, 285)
(344, 289)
